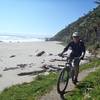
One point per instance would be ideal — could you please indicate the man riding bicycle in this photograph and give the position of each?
(78, 50)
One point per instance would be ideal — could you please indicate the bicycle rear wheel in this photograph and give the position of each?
(63, 81)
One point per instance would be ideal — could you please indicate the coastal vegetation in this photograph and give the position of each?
(88, 26)
(88, 89)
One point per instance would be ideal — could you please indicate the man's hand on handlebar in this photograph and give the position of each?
(64, 55)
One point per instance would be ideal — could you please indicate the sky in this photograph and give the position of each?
(40, 17)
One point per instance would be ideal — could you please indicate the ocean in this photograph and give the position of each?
(18, 38)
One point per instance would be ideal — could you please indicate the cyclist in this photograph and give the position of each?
(78, 50)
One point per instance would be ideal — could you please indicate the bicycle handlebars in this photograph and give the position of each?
(65, 55)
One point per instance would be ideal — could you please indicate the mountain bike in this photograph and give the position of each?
(66, 73)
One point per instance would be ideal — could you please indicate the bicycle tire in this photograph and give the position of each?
(63, 81)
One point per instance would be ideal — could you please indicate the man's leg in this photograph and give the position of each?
(76, 70)
(70, 62)
(72, 72)
(76, 73)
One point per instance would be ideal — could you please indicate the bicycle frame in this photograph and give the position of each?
(67, 70)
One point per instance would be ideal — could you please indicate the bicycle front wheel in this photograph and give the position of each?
(63, 81)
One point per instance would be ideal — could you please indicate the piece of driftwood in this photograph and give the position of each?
(53, 60)
(44, 66)
(12, 56)
(22, 65)
(40, 53)
(53, 67)
(61, 65)
(31, 64)
(50, 54)
(31, 73)
(11, 68)
(50, 67)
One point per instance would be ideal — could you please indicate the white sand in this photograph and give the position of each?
(25, 53)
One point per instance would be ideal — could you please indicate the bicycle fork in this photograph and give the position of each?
(71, 71)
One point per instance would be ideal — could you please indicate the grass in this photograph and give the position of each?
(30, 91)
(42, 85)
(88, 89)
(93, 63)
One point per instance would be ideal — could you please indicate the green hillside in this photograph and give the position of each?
(88, 26)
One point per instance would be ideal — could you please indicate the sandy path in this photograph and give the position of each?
(53, 95)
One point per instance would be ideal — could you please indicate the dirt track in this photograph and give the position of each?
(53, 95)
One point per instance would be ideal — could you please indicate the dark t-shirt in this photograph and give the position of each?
(77, 48)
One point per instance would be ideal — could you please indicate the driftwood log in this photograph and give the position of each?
(22, 65)
(12, 56)
(50, 67)
(53, 60)
(11, 68)
(31, 73)
(53, 67)
(40, 53)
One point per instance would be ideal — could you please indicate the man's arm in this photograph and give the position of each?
(83, 50)
(66, 48)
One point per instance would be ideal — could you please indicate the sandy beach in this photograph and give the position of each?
(12, 55)
(17, 58)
